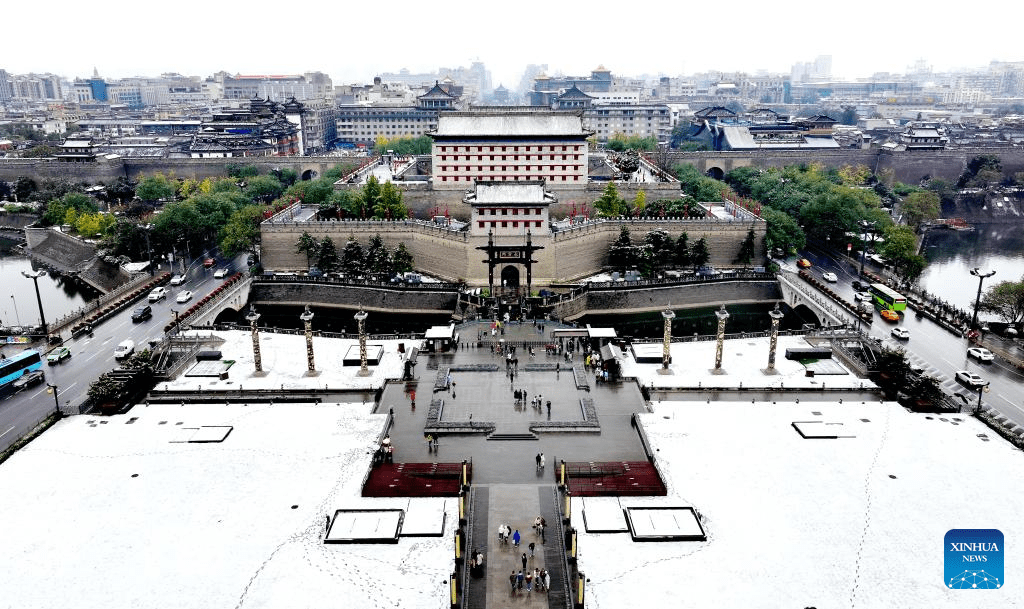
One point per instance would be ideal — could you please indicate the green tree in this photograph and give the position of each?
(610, 203)
(242, 172)
(854, 175)
(661, 247)
(155, 187)
(900, 248)
(389, 204)
(242, 231)
(699, 254)
(746, 249)
(24, 186)
(682, 251)
(263, 189)
(1005, 299)
(312, 192)
(179, 222)
(402, 259)
(782, 231)
(308, 245)
(39, 152)
(620, 252)
(378, 259)
(285, 176)
(352, 257)
(639, 203)
(327, 255)
(697, 185)
(981, 171)
(371, 195)
(56, 211)
(120, 191)
(920, 206)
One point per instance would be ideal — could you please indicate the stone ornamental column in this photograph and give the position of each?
(723, 316)
(252, 317)
(361, 318)
(776, 316)
(666, 357)
(307, 320)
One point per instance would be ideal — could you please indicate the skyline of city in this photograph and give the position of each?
(395, 39)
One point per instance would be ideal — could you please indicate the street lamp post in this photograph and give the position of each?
(56, 402)
(864, 224)
(34, 276)
(977, 302)
(149, 250)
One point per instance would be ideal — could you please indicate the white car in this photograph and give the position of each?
(157, 294)
(901, 333)
(222, 273)
(829, 276)
(184, 296)
(970, 379)
(1011, 331)
(124, 349)
(981, 354)
(863, 296)
(177, 280)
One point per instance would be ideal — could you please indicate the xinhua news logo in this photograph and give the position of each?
(974, 559)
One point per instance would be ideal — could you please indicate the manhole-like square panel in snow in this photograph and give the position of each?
(373, 355)
(365, 526)
(664, 524)
(603, 515)
(203, 434)
(208, 368)
(425, 518)
(820, 430)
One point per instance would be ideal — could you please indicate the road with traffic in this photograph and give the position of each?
(92, 355)
(940, 352)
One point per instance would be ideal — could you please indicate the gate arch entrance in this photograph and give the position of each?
(510, 277)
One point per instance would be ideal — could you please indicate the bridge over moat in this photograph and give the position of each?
(230, 300)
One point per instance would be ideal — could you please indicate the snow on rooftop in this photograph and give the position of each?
(111, 512)
(742, 362)
(284, 363)
(811, 523)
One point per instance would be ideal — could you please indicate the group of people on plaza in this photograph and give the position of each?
(538, 578)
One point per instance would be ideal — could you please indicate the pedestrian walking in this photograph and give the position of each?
(549, 407)
(546, 578)
(515, 538)
(430, 442)
(519, 580)
(524, 561)
(543, 459)
(512, 580)
(540, 530)
(529, 581)
(537, 579)
(538, 460)
(532, 547)
(501, 532)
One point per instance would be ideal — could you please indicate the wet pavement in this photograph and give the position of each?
(488, 396)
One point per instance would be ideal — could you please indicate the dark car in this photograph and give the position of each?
(142, 313)
(28, 379)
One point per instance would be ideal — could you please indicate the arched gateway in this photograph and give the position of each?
(509, 214)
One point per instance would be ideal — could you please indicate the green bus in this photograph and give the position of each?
(885, 297)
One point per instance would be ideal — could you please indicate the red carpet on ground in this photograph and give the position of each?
(611, 479)
(414, 480)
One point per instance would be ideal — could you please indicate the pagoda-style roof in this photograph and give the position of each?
(574, 92)
(711, 112)
(437, 92)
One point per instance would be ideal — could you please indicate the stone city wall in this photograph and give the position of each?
(567, 255)
(909, 166)
(373, 299)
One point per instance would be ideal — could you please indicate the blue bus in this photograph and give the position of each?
(11, 368)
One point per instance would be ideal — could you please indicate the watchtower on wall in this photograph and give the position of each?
(510, 214)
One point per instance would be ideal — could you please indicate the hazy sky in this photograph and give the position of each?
(354, 40)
